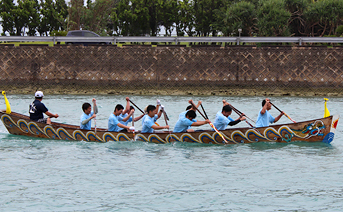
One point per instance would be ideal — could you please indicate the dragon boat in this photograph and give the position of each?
(317, 130)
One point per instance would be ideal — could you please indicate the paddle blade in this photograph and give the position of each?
(326, 110)
(8, 106)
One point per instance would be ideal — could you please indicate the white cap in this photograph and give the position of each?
(39, 94)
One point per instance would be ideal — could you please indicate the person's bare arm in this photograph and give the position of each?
(129, 115)
(87, 120)
(279, 116)
(127, 108)
(199, 123)
(138, 118)
(123, 126)
(51, 115)
(155, 127)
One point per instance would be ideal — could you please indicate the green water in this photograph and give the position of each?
(50, 175)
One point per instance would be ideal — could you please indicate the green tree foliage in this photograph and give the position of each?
(273, 18)
(297, 24)
(168, 12)
(186, 17)
(133, 17)
(54, 16)
(339, 30)
(323, 17)
(7, 16)
(184, 21)
(22, 14)
(75, 11)
(204, 16)
(240, 15)
(96, 15)
(60, 15)
(32, 6)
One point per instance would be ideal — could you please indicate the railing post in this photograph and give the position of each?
(176, 41)
(238, 40)
(300, 41)
(54, 39)
(114, 40)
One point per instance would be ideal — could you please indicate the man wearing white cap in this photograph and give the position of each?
(37, 108)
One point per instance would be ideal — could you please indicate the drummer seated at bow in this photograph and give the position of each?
(148, 125)
(88, 115)
(116, 117)
(223, 118)
(184, 124)
(264, 117)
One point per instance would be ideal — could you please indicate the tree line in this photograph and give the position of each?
(185, 17)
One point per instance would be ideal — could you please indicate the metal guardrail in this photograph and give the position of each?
(175, 40)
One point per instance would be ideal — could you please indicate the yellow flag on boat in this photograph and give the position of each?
(326, 111)
(8, 106)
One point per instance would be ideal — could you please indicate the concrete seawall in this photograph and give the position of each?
(173, 70)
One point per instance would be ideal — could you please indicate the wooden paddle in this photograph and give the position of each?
(95, 125)
(137, 107)
(205, 117)
(283, 113)
(165, 118)
(133, 125)
(240, 114)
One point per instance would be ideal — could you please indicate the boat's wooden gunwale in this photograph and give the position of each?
(275, 133)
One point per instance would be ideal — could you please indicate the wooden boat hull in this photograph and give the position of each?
(318, 130)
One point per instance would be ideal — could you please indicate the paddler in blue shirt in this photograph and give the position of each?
(157, 115)
(184, 123)
(264, 117)
(115, 119)
(223, 118)
(148, 125)
(126, 113)
(189, 107)
(88, 115)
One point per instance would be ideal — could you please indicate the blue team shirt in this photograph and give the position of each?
(221, 121)
(87, 126)
(183, 124)
(265, 119)
(183, 114)
(120, 119)
(147, 123)
(113, 122)
(146, 115)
